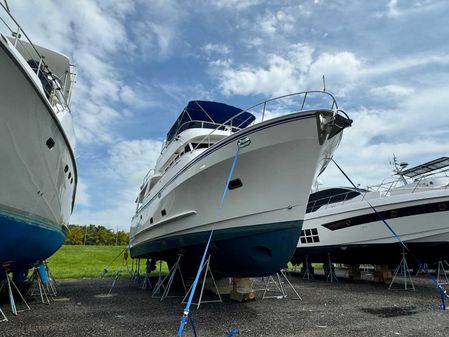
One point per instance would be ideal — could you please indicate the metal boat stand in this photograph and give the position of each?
(40, 287)
(422, 269)
(9, 283)
(277, 281)
(403, 270)
(307, 274)
(159, 284)
(114, 281)
(146, 283)
(331, 276)
(442, 277)
(136, 271)
(2, 316)
(207, 270)
(169, 278)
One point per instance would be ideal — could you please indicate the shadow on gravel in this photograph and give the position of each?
(387, 312)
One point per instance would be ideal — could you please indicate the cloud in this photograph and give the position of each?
(392, 90)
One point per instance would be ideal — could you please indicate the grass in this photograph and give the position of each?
(89, 261)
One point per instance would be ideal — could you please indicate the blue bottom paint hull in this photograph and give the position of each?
(24, 241)
(253, 251)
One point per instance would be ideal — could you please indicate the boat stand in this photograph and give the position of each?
(442, 277)
(146, 283)
(136, 272)
(39, 287)
(403, 270)
(422, 269)
(307, 274)
(277, 281)
(159, 284)
(2, 316)
(10, 284)
(169, 278)
(114, 281)
(331, 276)
(207, 270)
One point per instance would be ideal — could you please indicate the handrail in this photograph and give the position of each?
(334, 106)
(16, 34)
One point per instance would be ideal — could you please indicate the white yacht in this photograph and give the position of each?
(257, 228)
(414, 202)
(38, 174)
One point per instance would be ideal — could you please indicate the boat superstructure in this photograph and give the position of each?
(38, 175)
(257, 228)
(414, 202)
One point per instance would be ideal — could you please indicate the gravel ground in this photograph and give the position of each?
(338, 309)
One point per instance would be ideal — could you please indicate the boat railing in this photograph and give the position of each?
(56, 97)
(304, 102)
(147, 176)
(340, 199)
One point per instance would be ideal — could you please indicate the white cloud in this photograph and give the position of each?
(392, 90)
(216, 49)
(82, 195)
(236, 4)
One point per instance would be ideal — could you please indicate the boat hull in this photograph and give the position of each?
(37, 170)
(275, 171)
(357, 236)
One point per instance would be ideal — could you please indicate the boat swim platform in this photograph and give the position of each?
(343, 308)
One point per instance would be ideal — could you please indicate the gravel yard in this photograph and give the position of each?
(338, 309)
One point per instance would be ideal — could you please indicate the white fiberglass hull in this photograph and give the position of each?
(353, 233)
(37, 170)
(259, 220)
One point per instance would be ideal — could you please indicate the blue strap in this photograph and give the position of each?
(443, 292)
(233, 332)
(198, 273)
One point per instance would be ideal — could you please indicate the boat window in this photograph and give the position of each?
(50, 143)
(187, 148)
(151, 220)
(314, 231)
(303, 240)
(163, 212)
(236, 183)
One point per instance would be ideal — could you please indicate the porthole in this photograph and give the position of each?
(163, 212)
(50, 143)
(66, 168)
(70, 175)
(442, 207)
(236, 183)
(71, 181)
(348, 222)
(394, 214)
(151, 220)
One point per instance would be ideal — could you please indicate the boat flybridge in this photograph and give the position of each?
(37, 144)
(414, 202)
(258, 226)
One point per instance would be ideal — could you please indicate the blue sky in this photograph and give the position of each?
(139, 63)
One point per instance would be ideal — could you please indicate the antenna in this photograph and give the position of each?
(324, 83)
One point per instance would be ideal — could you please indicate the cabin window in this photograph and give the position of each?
(66, 168)
(236, 183)
(163, 212)
(187, 148)
(151, 220)
(50, 143)
(70, 175)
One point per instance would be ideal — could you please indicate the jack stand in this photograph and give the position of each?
(9, 282)
(159, 283)
(331, 276)
(136, 274)
(39, 288)
(279, 284)
(206, 268)
(442, 277)
(114, 281)
(307, 274)
(2, 314)
(422, 269)
(51, 286)
(172, 273)
(146, 283)
(402, 269)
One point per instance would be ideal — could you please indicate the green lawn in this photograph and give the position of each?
(89, 261)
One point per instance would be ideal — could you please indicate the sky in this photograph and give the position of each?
(139, 62)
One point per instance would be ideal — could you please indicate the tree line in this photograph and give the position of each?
(95, 235)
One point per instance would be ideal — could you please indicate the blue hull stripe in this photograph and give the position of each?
(258, 250)
(24, 240)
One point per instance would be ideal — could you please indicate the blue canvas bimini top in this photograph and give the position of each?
(206, 114)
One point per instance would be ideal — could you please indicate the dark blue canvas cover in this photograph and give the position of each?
(211, 113)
